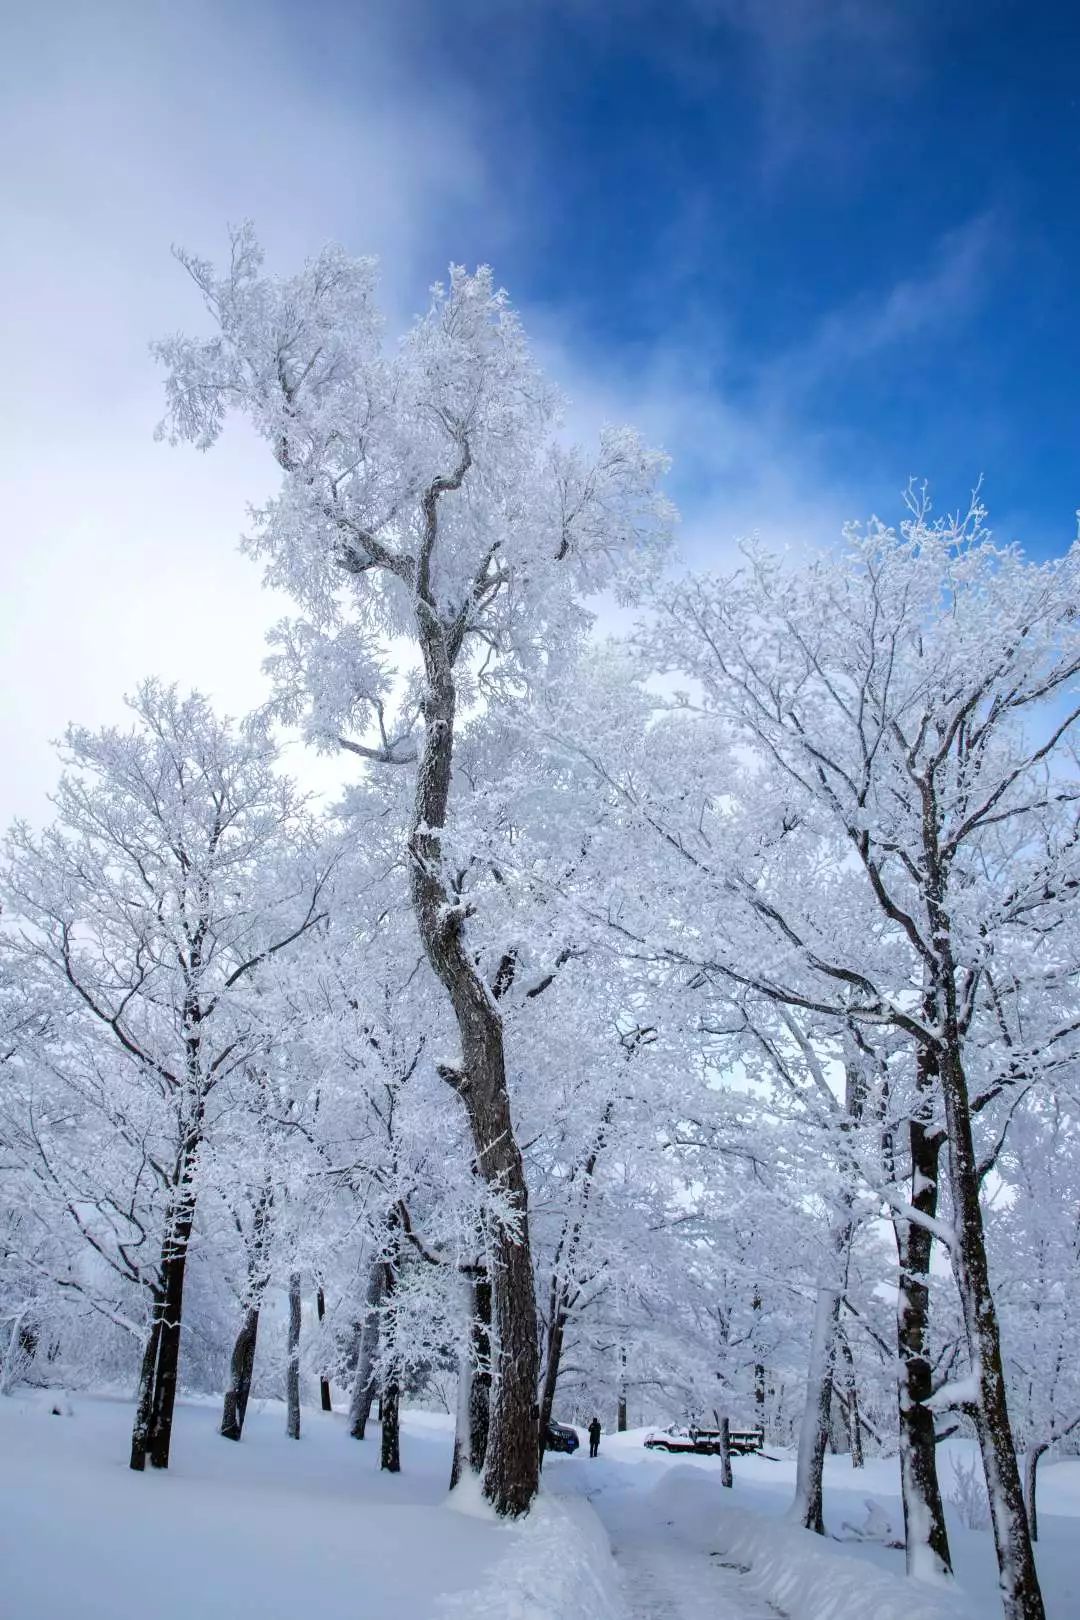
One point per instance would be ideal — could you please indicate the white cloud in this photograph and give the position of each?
(126, 128)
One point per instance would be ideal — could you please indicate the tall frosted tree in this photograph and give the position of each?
(426, 495)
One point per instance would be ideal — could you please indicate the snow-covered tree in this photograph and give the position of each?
(179, 862)
(873, 822)
(426, 495)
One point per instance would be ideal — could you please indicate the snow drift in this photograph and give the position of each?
(793, 1569)
(557, 1566)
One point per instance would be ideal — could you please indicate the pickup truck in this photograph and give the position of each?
(700, 1442)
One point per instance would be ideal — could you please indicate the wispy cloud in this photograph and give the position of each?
(863, 50)
(945, 292)
(758, 459)
(740, 468)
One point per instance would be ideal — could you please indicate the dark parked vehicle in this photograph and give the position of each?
(561, 1438)
(704, 1442)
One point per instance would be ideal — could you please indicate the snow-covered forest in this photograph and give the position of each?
(675, 1027)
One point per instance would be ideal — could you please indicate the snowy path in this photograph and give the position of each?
(664, 1579)
(666, 1575)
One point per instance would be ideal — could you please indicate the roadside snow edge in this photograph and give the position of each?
(557, 1566)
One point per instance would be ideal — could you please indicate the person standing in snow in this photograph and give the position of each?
(594, 1437)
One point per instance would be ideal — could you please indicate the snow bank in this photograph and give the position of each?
(801, 1574)
(557, 1566)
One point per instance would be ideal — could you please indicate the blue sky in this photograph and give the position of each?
(855, 222)
(813, 247)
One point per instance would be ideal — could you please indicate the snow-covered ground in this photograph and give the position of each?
(280, 1529)
(271, 1527)
(640, 1495)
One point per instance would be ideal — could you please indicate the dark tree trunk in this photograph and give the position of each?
(167, 1371)
(726, 1477)
(241, 1371)
(925, 1535)
(474, 1387)
(242, 1362)
(1031, 1475)
(759, 1370)
(390, 1393)
(942, 1057)
(556, 1329)
(324, 1383)
(153, 1427)
(620, 1410)
(480, 1390)
(511, 1468)
(390, 1448)
(1018, 1578)
(364, 1387)
(511, 1471)
(851, 1404)
(292, 1365)
(144, 1402)
(173, 1272)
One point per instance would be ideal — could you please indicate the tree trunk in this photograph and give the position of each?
(926, 1539)
(390, 1448)
(173, 1271)
(390, 1393)
(167, 1372)
(364, 1388)
(511, 1469)
(241, 1370)
(242, 1362)
(480, 1393)
(460, 1457)
(157, 1394)
(851, 1404)
(144, 1402)
(620, 1410)
(726, 1477)
(292, 1365)
(324, 1382)
(1031, 1472)
(1017, 1575)
(511, 1473)
(759, 1369)
(553, 1358)
(814, 1432)
(474, 1381)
